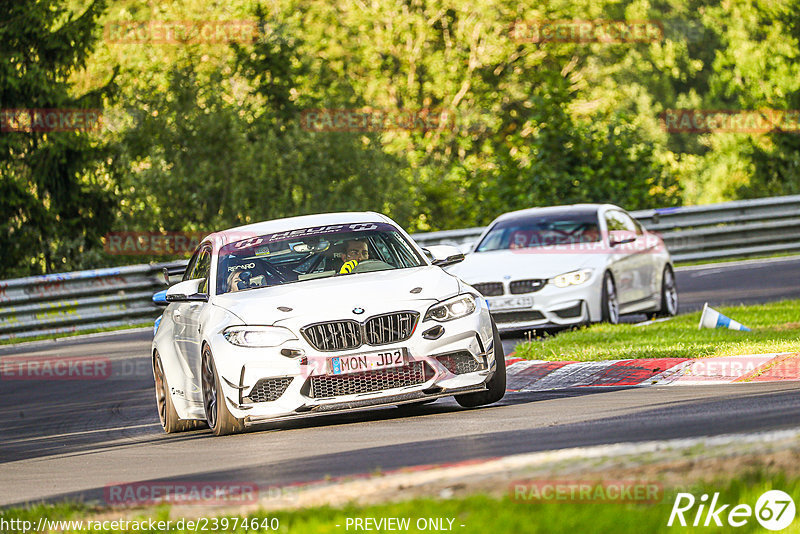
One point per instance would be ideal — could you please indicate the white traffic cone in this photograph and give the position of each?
(711, 318)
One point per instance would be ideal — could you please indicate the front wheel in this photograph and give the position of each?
(220, 420)
(496, 386)
(609, 301)
(167, 415)
(669, 294)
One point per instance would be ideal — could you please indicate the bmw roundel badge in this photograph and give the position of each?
(358, 311)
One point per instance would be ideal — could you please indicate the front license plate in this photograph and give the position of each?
(357, 363)
(510, 303)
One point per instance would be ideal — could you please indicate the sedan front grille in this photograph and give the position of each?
(460, 362)
(344, 335)
(411, 374)
(489, 289)
(526, 286)
(269, 389)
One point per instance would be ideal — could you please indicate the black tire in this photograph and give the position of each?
(219, 418)
(167, 414)
(669, 294)
(496, 386)
(609, 303)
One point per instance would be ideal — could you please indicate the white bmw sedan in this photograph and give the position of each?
(569, 265)
(316, 314)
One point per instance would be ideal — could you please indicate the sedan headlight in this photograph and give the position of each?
(454, 308)
(573, 278)
(258, 336)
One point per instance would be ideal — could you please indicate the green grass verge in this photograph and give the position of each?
(775, 328)
(479, 513)
(16, 341)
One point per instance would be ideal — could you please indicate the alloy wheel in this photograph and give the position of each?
(611, 299)
(161, 392)
(670, 292)
(209, 391)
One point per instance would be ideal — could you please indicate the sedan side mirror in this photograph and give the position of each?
(186, 291)
(620, 237)
(444, 255)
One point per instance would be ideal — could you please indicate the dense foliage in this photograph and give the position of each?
(203, 135)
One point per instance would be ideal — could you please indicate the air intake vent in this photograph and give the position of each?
(269, 389)
(370, 381)
(518, 317)
(460, 362)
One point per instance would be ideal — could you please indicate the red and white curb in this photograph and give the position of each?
(539, 375)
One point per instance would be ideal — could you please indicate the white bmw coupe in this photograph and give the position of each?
(316, 314)
(569, 265)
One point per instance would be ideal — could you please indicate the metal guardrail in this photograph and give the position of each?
(98, 298)
(82, 300)
(692, 233)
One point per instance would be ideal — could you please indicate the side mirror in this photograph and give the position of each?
(444, 255)
(186, 291)
(620, 237)
(160, 298)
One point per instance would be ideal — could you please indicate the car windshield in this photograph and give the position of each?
(311, 253)
(540, 231)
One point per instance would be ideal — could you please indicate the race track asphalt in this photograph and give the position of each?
(66, 438)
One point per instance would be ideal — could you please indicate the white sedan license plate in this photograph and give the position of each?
(370, 361)
(509, 303)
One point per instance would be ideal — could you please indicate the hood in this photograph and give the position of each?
(335, 297)
(496, 265)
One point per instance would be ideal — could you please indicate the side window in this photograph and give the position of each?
(613, 222)
(628, 223)
(203, 268)
(617, 220)
(187, 274)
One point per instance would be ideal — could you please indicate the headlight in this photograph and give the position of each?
(258, 336)
(450, 309)
(574, 278)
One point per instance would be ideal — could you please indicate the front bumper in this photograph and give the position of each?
(460, 360)
(551, 307)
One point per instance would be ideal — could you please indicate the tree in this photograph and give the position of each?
(53, 201)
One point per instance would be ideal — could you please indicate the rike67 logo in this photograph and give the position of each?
(774, 510)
